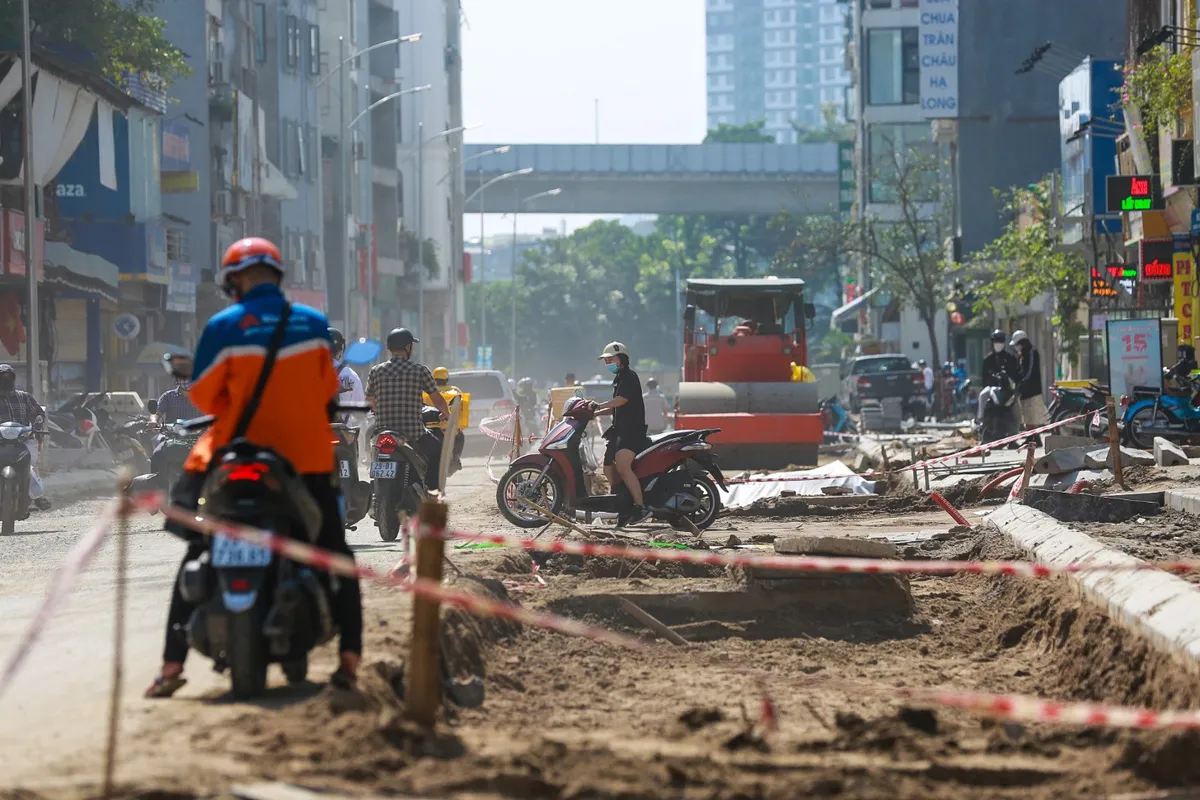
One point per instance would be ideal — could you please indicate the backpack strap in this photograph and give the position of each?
(273, 347)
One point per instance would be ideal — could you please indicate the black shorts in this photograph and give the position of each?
(623, 441)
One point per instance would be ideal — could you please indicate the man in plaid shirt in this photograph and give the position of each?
(19, 406)
(394, 390)
(174, 405)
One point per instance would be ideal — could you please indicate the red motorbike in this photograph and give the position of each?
(678, 473)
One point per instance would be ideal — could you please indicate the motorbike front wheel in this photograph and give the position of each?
(522, 483)
(9, 503)
(247, 653)
(1145, 417)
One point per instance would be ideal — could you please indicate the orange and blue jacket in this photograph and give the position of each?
(293, 415)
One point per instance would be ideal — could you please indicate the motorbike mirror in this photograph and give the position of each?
(362, 352)
(810, 311)
(152, 406)
(178, 366)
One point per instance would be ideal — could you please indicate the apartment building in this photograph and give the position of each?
(782, 61)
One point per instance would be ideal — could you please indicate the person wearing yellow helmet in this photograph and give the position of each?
(441, 377)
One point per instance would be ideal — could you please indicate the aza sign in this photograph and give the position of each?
(1158, 257)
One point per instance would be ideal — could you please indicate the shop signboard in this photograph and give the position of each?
(937, 51)
(1185, 291)
(181, 287)
(1134, 354)
(1157, 257)
(1133, 193)
(14, 243)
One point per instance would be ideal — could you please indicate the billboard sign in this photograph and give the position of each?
(1134, 354)
(938, 54)
(1133, 193)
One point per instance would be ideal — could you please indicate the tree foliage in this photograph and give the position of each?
(1023, 263)
(905, 252)
(122, 37)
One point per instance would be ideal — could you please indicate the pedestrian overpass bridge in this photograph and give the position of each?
(732, 179)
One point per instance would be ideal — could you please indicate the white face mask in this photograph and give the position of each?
(998, 347)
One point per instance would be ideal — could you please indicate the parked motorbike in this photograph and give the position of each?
(1152, 412)
(1071, 401)
(15, 465)
(357, 492)
(398, 474)
(999, 420)
(678, 473)
(836, 420)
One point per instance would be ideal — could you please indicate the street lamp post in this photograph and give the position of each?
(347, 199)
(32, 256)
(370, 272)
(482, 249)
(513, 283)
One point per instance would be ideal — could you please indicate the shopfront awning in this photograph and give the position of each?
(85, 272)
(850, 308)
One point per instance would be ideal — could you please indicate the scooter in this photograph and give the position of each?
(1153, 412)
(678, 473)
(999, 420)
(357, 492)
(14, 474)
(398, 474)
(1071, 401)
(836, 421)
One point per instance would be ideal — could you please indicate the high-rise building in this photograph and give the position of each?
(782, 61)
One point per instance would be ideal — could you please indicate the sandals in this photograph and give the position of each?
(163, 687)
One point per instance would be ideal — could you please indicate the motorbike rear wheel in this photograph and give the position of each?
(296, 671)
(710, 502)
(247, 655)
(1147, 415)
(387, 518)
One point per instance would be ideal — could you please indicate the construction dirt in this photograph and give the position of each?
(773, 697)
(1168, 535)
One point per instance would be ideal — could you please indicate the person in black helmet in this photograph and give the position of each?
(999, 366)
(350, 385)
(395, 389)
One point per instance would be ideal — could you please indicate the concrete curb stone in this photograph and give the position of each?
(1156, 604)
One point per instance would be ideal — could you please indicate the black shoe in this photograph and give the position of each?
(41, 504)
(640, 514)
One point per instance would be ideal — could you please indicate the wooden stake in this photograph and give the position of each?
(118, 670)
(1028, 471)
(653, 624)
(423, 694)
(1114, 441)
(516, 447)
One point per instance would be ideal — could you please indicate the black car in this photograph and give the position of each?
(870, 379)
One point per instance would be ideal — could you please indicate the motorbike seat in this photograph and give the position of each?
(670, 436)
(1150, 390)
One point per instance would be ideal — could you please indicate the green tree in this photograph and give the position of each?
(1023, 263)
(905, 251)
(750, 133)
(122, 37)
(832, 129)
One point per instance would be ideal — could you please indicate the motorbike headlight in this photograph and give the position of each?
(11, 431)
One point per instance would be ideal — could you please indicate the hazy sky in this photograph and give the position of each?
(533, 69)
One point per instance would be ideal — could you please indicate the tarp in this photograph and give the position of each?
(837, 474)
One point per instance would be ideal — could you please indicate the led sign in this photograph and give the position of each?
(1158, 257)
(1134, 193)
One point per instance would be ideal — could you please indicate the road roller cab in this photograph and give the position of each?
(741, 338)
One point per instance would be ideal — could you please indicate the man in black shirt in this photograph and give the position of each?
(1000, 368)
(627, 436)
(1029, 391)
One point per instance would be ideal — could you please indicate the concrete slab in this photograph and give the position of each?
(1084, 507)
(1168, 454)
(834, 546)
(1062, 460)
(1100, 459)
(1158, 605)
(1056, 441)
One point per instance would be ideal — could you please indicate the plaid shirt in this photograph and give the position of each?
(174, 405)
(19, 406)
(396, 387)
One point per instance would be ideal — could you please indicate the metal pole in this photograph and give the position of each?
(32, 256)
(345, 138)
(455, 143)
(420, 232)
(482, 270)
(512, 284)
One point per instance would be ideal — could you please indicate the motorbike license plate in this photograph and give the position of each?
(124, 455)
(383, 469)
(345, 469)
(233, 553)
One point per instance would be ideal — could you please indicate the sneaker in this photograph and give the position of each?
(640, 514)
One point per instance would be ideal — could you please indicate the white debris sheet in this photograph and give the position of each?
(809, 482)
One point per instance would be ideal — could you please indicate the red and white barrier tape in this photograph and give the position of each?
(970, 451)
(77, 560)
(487, 424)
(343, 565)
(1025, 569)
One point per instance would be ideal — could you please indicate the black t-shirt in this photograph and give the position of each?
(629, 419)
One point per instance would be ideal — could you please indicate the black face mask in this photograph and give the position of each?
(8, 383)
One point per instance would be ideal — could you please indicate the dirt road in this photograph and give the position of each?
(569, 718)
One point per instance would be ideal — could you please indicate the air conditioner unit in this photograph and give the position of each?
(223, 203)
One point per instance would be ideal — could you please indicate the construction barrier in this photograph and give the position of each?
(970, 451)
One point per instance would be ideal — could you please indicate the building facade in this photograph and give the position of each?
(782, 61)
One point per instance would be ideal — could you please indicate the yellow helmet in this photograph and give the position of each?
(441, 374)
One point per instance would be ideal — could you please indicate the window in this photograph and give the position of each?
(888, 149)
(292, 35)
(314, 50)
(260, 32)
(311, 139)
(301, 154)
(893, 66)
(179, 246)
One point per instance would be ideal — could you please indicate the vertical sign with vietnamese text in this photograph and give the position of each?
(846, 176)
(1134, 354)
(938, 54)
(1185, 290)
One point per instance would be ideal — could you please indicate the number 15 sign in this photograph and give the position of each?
(1134, 354)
